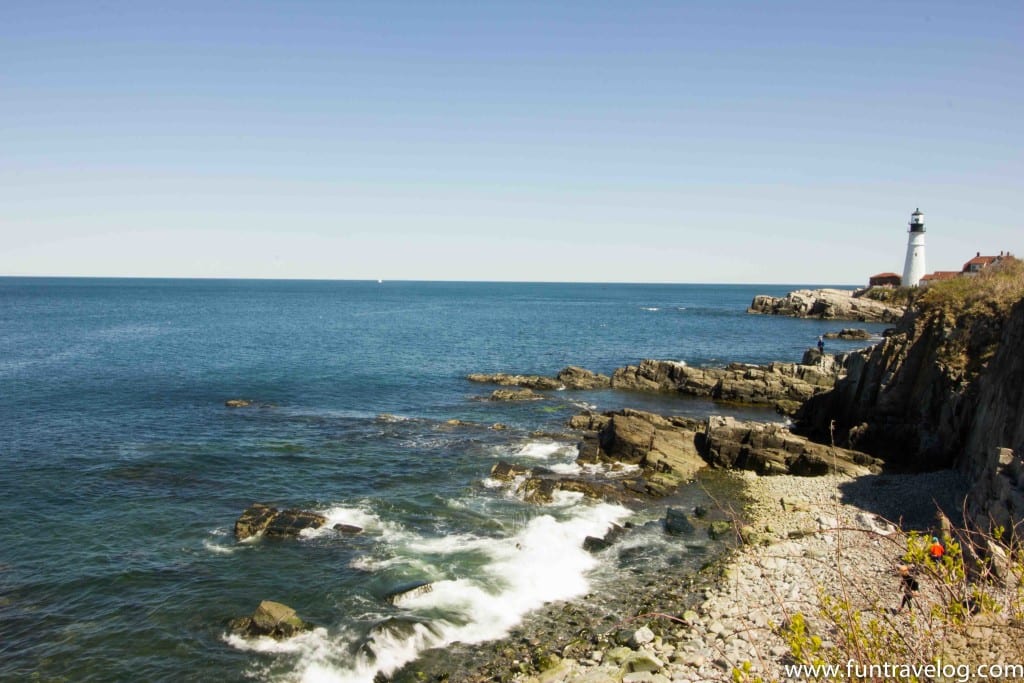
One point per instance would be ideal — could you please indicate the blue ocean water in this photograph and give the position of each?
(123, 470)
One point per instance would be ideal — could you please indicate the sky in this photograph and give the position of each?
(686, 141)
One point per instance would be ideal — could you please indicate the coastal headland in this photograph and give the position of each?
(925, 427)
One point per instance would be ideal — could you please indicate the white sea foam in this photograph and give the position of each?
(219, 549)
(542, 562)
(650, 308)
(366, 520)
(565, 468)
(541, 450)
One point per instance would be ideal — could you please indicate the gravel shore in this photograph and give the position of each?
(802, 536)
(807, 534)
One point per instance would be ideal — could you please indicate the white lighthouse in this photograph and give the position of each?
(913, 269)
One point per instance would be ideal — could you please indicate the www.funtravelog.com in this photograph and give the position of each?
(852, 671)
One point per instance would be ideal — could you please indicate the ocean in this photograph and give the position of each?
(123, 471)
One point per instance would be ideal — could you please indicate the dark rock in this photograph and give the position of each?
(290, 523)
(504, 471)
(271, 619)
(593, 544)
(676, 522)
(347, 528)
(254, 520)
(408, 590)
(850, 334)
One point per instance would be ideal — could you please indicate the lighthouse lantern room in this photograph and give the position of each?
(914, 268)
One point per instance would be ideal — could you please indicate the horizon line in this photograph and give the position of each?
(224, 278)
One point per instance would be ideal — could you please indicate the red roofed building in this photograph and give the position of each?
(979, 263)
(939, 275)
(884, 280)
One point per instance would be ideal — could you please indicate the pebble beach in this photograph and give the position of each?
(837, 534)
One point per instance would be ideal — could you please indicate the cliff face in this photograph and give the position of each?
(945, 388)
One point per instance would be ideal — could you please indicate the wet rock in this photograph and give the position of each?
(593, 544)
(347, 528)
(254, 520)
(238, 403)
(504, 471)
(291, 523)
(271, 619)
(676, 522)
(407, 591)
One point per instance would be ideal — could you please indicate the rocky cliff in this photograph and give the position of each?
(946, 388)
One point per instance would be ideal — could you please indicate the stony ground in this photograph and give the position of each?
(823, 534)
(806, 536)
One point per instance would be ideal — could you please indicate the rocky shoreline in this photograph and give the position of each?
(805, 533)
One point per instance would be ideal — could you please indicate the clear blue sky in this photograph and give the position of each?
(560, 141)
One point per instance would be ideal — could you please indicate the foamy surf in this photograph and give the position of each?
(542, 562)
(543, 450)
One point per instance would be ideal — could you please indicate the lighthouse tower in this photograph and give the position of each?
(913, 269)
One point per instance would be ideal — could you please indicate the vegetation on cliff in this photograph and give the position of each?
(973, 308)
(993, 291)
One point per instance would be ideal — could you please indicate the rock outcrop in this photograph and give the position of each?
(783, 386)
(849, 334)
(945, 388)
(271, 619)
(571, 377)
(773, 449)
(674, 449)
(260, 518)
(826, 304)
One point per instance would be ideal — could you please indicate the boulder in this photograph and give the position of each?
(254, 520)
(271, 619)
(260, 518)
(593, 544)
(347, 528)
(291, 523)
(654, 442)
(676, 522)
(238, 403)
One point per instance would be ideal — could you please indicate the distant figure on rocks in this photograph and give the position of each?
(936, 549)
(821, 344)
(908, 582)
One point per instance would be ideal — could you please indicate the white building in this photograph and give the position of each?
(913, 268)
